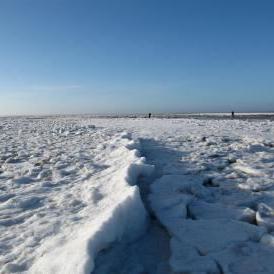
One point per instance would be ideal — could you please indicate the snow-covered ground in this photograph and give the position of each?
(134, 196)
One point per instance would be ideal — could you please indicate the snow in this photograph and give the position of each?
(133, 195)
(246, 257)
(265, 217)
(73, 194)
(186, 258)
(203, 210)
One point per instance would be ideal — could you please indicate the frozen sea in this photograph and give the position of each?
(192, 194)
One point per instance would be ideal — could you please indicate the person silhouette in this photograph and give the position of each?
(149, 115)
(233, 114)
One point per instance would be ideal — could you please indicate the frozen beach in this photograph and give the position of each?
(135, 195)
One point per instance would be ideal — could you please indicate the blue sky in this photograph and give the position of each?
(125, 56)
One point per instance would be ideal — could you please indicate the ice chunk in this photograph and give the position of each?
(203, 210)
(265, 216)
(245, 257)
(186, 259)
(169, 199)
(268, 239)
(168, 216)
(186, 184)
(257, 184)
(214, 235)
(244, 168)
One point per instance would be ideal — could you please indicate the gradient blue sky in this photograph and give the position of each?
(128, 56)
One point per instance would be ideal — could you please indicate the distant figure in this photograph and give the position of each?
(232, 114)
(149, 115)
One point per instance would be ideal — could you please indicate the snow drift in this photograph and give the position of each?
(124, 217)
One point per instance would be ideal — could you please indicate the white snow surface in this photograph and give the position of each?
(67, 192)
(77, 191)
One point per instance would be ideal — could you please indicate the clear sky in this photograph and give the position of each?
(129, 56)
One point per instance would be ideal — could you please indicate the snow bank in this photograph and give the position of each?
(126, 220)
(123, 219)
(67, 191)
